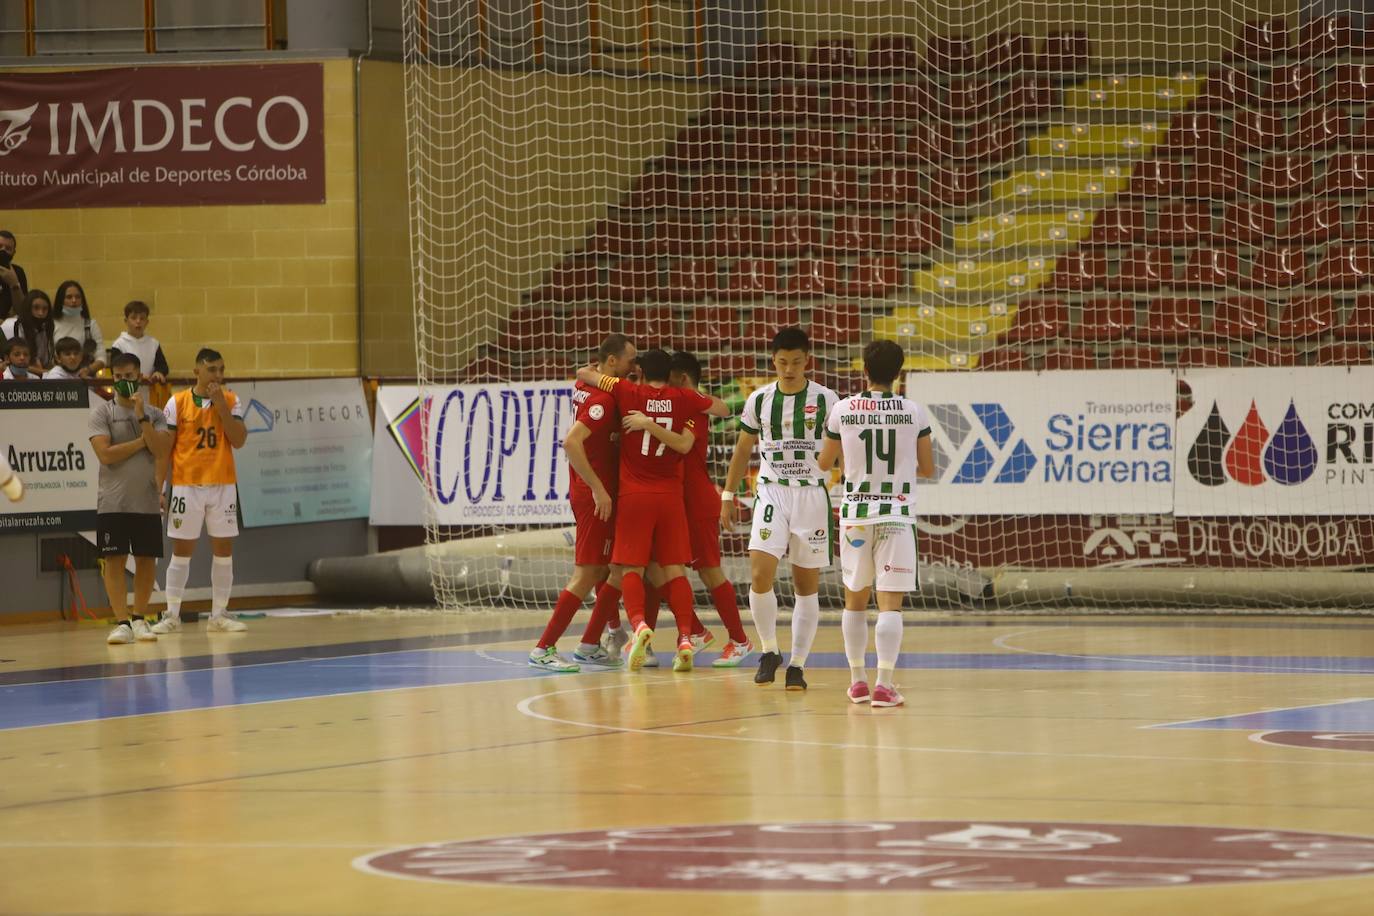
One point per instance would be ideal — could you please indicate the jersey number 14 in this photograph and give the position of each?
(880, 445)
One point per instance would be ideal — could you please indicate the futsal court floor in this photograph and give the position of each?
(415, 765)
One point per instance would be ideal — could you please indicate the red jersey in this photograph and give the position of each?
(595, 409)
(646, 464)
(703, 499)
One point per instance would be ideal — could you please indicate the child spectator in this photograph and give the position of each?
(69, 358)
(75, 320)
(136, 341)
(17, 355)
(34, 323)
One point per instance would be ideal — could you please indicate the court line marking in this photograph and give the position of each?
(1001, 643)
(1256, 712)
(524, 707)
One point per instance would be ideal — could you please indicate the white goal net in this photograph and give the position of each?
(1128, 248)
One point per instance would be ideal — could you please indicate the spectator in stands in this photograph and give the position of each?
(74, 320)
(140, 343)
(17, 358)
(14, 283)
(34, 323)
(69, 358)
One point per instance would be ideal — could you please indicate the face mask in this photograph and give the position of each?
(71, 311)
(126, 387)
(19, 371)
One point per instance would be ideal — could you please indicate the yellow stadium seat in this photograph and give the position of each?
(995, 277)
(1023, 229)
(1062, 185)
(1134, 93)
(1085, 141)
(929, 362)
(945, 322)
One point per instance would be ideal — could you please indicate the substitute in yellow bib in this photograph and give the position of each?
(206, 425)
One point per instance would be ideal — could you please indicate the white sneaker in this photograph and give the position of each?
(701, 640)
(616, 640)
(121, 635)
(166, 625)
(223, 623)
(143, 632)
(596, 655)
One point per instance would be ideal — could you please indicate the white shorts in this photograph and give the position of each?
(885, 552)
(216, 506)
(793, 522)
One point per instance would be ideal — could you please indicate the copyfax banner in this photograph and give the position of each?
(1277, 442)
(488, 454)
(1012, 443)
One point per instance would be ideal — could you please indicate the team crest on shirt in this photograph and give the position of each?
(596, 412)
(176, 523)
(765, 533)
(810, 422)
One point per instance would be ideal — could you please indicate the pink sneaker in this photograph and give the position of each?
(858, 692)
(886, 696)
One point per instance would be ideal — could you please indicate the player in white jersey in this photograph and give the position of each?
(792, 515)
(885, 441)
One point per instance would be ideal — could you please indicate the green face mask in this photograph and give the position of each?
(126, 387)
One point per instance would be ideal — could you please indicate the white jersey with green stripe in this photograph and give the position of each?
(878, 432)
(791, 431)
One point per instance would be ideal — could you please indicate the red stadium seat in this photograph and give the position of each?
(850, 101)
(1211, 268)
(654, 325)
(766, 321)
(1066, 50)
(1262, 39)
(776, 60)
(586, 330)
(1361, 228)
(1104, 319)
(1171, 321)
(774, 190)
(949, 54)
(1306, 316)
(1033, 95)
(739, 106)
(1158, 178)
(763, 146)
(1343, 354)
(870, 145)
(911, 101)
(1256, 130)
(752, 278)
(1200, 357)
(1182, 222)
(1240, 318)
(1359, 324)
(1326, 36)
(1293, 84)
(1008, 51)
(1037, 320)
(1278, 268)
(913, 232)
(696, 147)
(893, 187)
(870, 278)
(1193, 132)
(616, 237)
(1354, 83)
(655, 190)
(1227, 88)
(812, 277)
(955, 187)
(891, 55)
(1345, 267)
(833, 189)
(1069, 358)
(853, 234)
(1003, 359)
(719, 191)
(1348, 173)
(794, 232)
(1249, 221)
(1078, 270)
(1276, 355)
(679, 237)
(832, 59)
(797, 103)
(1119, 226)
(1315, 219)
(978, 97)
(817, 145)
(692, 279)
(1219, 177)
(528, 324)
(710, 327)
(1319, 129)
(736, 234)
(932, 141)
(633, 279)
(989, 141)
(1144, 269)
(1135, 357)
(1285, 175)
(722, 367)
(573, 280)
(835, 324)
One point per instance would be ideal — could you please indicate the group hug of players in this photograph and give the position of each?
(646, 508)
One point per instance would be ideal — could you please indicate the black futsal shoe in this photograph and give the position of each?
(795, 681)
(768, 668)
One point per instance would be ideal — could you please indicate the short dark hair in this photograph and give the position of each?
(125, 359)
(67, 345)
(688, 365)
(6, 234)
(206, 355)
(137, 307)
(883, 361)
(791, 338)
(655, 364)
(16, 343)
(613, 345)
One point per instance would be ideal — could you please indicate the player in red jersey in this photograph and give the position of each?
(652, 520)
(702, 499)
(592, 446)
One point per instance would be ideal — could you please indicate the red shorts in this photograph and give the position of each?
(593, 547)
(705, 533)
(651, 526)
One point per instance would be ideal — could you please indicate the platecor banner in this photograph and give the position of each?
(163, 136)
(1073, 442)
(308, 457)
(1277, 441)
(495, 454)
(43, 435)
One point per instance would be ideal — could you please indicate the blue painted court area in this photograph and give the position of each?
(53, 700)
(1356, 715)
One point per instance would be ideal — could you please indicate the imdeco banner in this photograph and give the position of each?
(163, 136)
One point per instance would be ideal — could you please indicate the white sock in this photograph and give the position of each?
(854, 626)
(888, 635)
(178, 571)
(221, 584)
(763, 606)
(806, 616)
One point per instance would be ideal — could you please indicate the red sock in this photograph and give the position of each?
(568, 604)
(680, 601)
(653, 600)
(723, 597)
(607, 601)
(632, 590)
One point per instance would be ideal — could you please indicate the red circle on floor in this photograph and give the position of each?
(886, 856)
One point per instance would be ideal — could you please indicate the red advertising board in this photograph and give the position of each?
(163, 136)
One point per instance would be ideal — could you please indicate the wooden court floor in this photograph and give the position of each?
(415, 765)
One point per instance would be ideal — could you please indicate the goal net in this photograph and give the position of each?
(1127, 247)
